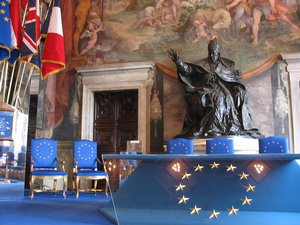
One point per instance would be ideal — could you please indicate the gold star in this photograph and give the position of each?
(232, 211)
(186, 176)
(231, 168)
(198, 168)
(214, 214)
(2, 11)
(246, 201)
(249, 188)
(180, 187)
(214, 165)
(183, 200)
(3, 4)
(243, 176)
(195, 210)
(6, 19)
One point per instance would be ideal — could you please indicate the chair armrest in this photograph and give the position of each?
(99, 161)
(62, 162)
(75, 166)
(31, 164)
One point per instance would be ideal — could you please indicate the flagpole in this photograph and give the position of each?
(24, 15)
(27, 83)
(5, 81)
(15, 63)
(16, 83)
(11, 80)
(20, 84)
(2, 75)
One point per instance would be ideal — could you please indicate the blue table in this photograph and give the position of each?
(208, 189)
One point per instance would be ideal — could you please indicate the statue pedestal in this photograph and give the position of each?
(242, 145)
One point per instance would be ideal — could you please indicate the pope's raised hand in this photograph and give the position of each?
(173, 55)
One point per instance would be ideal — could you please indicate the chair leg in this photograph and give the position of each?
(106, 186)
(77, 187)
(54, 186)
(65, 180)
(31, 183)
(95, 186)
(73, 185)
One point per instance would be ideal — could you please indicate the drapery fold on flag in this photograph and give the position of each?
(5, 27)
(35, 61)
(31, 36)
(46, 23)
(53, 58)
(24, 4)
(16, 30)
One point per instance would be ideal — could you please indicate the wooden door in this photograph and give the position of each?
(116, 120)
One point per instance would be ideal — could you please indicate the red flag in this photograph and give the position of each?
(53, 59)
(24, 4)
(16, 33)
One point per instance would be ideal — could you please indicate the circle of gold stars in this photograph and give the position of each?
(40, 153)
(213, 214)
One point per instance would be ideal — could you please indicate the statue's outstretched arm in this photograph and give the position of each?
(181, 66)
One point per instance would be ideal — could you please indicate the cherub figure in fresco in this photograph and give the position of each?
(241, 11)
(92, 34)
(218, 22)
(146, 17)
(271, 10)
(200, 26)
(170, 10)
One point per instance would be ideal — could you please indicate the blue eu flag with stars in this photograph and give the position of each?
(5, 27)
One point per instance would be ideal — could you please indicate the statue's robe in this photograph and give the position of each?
(216, 100)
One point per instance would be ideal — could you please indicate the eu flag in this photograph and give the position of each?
(5, 37)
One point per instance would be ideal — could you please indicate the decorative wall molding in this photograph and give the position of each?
(293, 67)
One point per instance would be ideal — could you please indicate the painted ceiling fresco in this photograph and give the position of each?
(250, 31)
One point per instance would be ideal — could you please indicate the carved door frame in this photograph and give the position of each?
(121, 76)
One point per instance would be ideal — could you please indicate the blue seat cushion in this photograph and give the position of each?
(48, 173)
(91, 173)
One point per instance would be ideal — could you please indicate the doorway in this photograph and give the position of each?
(115, 120)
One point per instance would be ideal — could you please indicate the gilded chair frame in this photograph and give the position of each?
(53, 177)
(93, 178)
(76, 181)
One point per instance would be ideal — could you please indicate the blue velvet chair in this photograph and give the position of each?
(273, 144)
(180, 146)
(219, 146)
(85, 166)
(45, 165)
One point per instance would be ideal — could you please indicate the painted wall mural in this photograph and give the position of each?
(251, 31)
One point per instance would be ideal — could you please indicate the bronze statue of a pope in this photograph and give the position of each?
(215, 97)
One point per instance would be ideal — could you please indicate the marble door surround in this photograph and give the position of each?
(113, 77)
